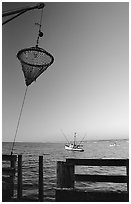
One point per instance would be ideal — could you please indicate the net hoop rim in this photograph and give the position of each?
(35, 49)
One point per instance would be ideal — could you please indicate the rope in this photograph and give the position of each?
(37, 42)
(19, 121)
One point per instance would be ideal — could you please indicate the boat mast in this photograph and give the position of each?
(75, 139)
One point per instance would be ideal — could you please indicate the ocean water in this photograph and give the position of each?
(53, 152)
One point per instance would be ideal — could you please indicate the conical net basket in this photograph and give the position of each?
(34, 62)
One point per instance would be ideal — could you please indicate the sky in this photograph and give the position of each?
(85, 90)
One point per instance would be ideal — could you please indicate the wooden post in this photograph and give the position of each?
(12, 165)
(12, 162)
(65, 175)
(127, 173)
(41, 178)
(19, 184)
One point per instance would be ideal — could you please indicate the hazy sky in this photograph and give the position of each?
(85, 90)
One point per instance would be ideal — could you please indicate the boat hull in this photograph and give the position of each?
(74, 149)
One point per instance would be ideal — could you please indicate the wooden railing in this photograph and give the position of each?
(66, 175)
(8, 174)
(102, 162)
(9, 170)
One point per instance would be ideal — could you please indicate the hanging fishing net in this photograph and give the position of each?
(34, 61)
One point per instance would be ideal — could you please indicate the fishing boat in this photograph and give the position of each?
(74, 146)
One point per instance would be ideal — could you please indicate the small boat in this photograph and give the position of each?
(113, 145)
(73, 146)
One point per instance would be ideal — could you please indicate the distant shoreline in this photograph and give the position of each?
(100, 140)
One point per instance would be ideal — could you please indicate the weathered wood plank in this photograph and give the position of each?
(9, 157)
(101, 178)
(8, 171)
(127, 172)
(99, 162)
(40, 178)
(19, 183)
(65, 175)
(75, 195)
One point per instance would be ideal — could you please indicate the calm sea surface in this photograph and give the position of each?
(53, 152)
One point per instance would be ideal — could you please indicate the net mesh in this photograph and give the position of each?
(34, 62)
